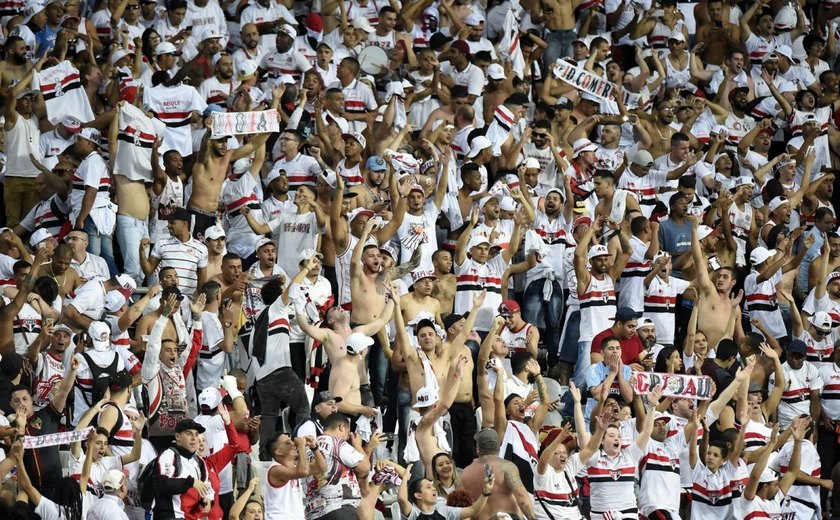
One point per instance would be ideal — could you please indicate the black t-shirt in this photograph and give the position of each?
(43, 465)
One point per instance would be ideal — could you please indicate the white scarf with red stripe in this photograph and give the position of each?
(509, 47)
(521, 447)
(135, 140)
(499, 129)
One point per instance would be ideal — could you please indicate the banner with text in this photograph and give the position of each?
(237, 123)
(583, 80)
(56, 439)
(674, 385)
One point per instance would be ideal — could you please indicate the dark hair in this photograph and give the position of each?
(63, 250)
(271, 291)
(211, 289)
(68, 497)
(637, 225)
(439, 252)
(774, 233)
(661, 365)
(352, 63)
(811, 39)
(387, 9)
(679, 137)
(273, 438)
(47, 288)
(18, 388)
(722, 446)
(335, 420)
(20, 265)
(823, 212)
(458, 91)
(146, 45)
(167, 268)
(231, 256)
(414, 487)
(605, 174)
(726, 349)
(688, 182)
(102, 431)
(610, 338)
(519, 360)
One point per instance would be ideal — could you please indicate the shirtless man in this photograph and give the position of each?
(717, 34)
(715, 306)
(345, 382)
(614, 203)
(560, 22)
(209, 173)
(509, 494)
(446, 113)
(214, 239)
(443, 287)
(13, 68)
(60, 271)
(421, 299)
(171, 330)
(372, 194)
(232, 282)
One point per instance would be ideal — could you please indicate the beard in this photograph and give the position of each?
(19, 59)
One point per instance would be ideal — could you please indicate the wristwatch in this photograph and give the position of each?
(228, 324)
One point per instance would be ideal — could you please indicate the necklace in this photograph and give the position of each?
(60, 283)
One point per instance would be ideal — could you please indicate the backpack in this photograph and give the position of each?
(101, 378)
(146, 481)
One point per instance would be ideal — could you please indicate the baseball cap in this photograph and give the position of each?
(420, 274)
(306, 254)
(767, 476)
(487, 439)
(113, 480)
(210, 397)
(564, 102)
(358, 343)
(322, 397)
(657, 416)
(461, 46)
(477, 240)
(770, 56)
(645, 322)
(508, 308)
(704, 231)
(127, 282)
(363, 24)
(677, 35)
(820, 320)
(478, 144)
(71, 124)
(738, 90)
(214, 233)
(39, 235)
(583, 145)
(359, 212)
(496, 71)
(643, 158)
(166, 48)
(786, 51)
(100, 335)
(314, 22)
(532, 162)
(438, 41)
(27, 92)
(452, 319)
(581, 221)
(91, 134)
(118, 55)
(114, 300)
(474, 19)
(263, 241)
(376, 163)
(288, 29)
(625, 314)
(797, 346)
(426, 398)
(597, 250)
(760, 255)
(777, 202)
(357, 136)
(188, 424)
(247, 69)
(507, 204)
(63, 328)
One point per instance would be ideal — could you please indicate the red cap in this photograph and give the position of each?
(314, 22)
(508, 307)
(461, 46)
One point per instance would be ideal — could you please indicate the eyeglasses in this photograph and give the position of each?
(74, 237)
(541, 136)
(287, 139)
(61, 171)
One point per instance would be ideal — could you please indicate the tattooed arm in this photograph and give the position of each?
(514, 482)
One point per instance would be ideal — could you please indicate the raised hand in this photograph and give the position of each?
(735, 301)
(197, 307)
(575, 391)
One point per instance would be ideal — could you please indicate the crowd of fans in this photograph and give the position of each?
(440, 259)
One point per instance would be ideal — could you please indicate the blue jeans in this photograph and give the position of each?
(403, 411)
(536, 309)
(584, 350)
(101, 245)
(130, 231)
(559, 45)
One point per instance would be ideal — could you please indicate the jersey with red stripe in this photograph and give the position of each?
(49, 373)
(552, 231)
(597, 307)
(358, 99)
(711, 492)
(645, 188)
(661, 306)
(471, 278)
(300, 170)
(237, 194)
(174, 107)
(369, 11)
(659, 472)
(760, 509)
(61, 87)
(611, 480)
(291, 62)
(26, 325)
(211, 357)
(557, 491)
(830, 395)
(214, 92)
(800, 494)
(819, 353)
(796, 398)
(810, 220)
(515, 341)
(352, 175)
(825, 304)
(757, 47)
(740, 479)
(757, 435)
(285, 501)
(762, 303)
(632, 284)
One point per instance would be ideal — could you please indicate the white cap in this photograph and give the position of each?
(787, 86)
(118, 55)
(643, 158)
(246, 70)
(496, 71)
(127, 282)
(358, 343)
(100, 335)
(704, 231)
(165, 48)
(91, 134)
(214, 233)
(361, 23)
(760, 255)
(583, 145)
(532, 162)
(210, 397)
(357, 136)
(288, 29)
(821, 320)
(597, 250)
(114, 301)
(786, 51)
(645, 322)
(677, 35)
(426, 397)
(39, 235)
(767, 476)
(359, 212)
(113, 480)
(478, 144)
(241, 165)
(71, 124)
(743, 180)
(477, 240)
(776, 203)
(306, 254)
(507, 204)
(264, 241)
(474, 19)
(419, 274)
(210, 33)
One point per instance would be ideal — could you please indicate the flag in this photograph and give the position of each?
(521, 447)
(499, 129)
(509, 47)
(63, 94)
(136, 137)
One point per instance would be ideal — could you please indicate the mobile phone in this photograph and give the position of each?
(48, 322)
(714, 264)
(658, 13)
(188, 29)
(387, 437)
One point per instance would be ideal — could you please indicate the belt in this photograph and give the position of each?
(196, 211)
